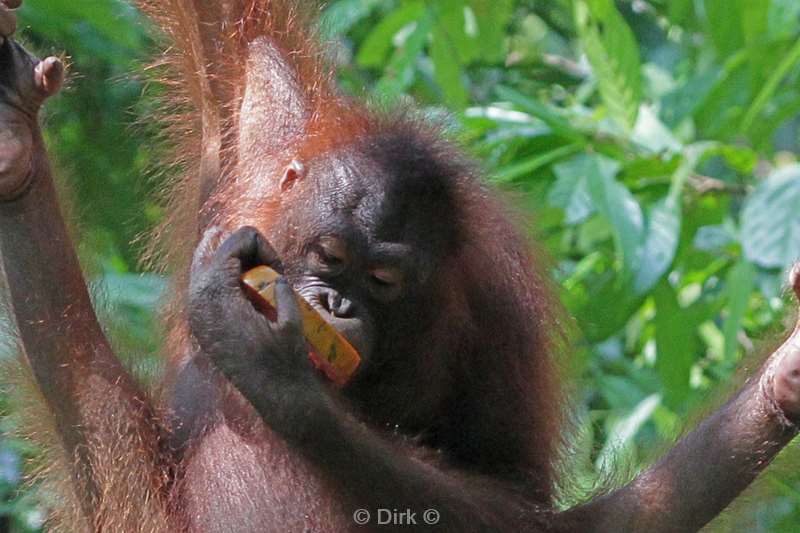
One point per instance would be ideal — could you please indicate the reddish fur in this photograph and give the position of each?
(206, 88)
(490, 285)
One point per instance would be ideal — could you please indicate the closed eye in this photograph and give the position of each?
(387, 277)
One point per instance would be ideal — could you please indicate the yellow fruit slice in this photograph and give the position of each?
(330, 351)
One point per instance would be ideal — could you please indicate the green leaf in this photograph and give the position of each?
(342, 15)
(526, 167)
(646, 245)
(492, 18)
(620, 393)
(400, 72)
(623, 431)
(714, 238)
(571, 193)
(676, 342)
(615, 202)
(724, 22)
(114, 23)
(771, 220)
(762, 132)
(556, 122)
(661, 236)
(447, 70)
(612, 51)
(689, 96)
(652, 134)
(606, 307)
(782, 19)
(739, 285)
(740, 158)
(380, 42)
(789, 62)
(755, 22)
(680, 10)
(455, 21)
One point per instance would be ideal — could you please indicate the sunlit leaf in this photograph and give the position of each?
(400, 72)
(613, 53)
(661, 233)
(456, 23)
(380, 42)
(542, 111)
(623, 431)
(650, 133)
(492, 17)
(713, 238)
(571, 193)
(615, 202)
(771, 220)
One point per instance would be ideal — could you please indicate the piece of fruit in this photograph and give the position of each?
(329, 350)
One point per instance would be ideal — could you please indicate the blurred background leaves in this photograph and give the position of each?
(653, 143)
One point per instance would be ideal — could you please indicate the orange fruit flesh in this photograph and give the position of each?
(329, 351)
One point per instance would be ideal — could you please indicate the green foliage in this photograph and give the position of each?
(654, 143)
(611, 48)
(99, 151)
(771, 220)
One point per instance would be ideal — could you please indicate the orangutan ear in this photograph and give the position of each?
(295, 172)
(274, 101)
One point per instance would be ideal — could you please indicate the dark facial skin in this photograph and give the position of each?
(357, 258)
(360, 260)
